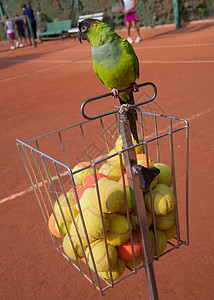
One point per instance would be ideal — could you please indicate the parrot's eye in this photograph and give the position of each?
(83, 28)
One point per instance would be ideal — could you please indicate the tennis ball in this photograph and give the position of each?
(51, 225)
(115, 160)
(78, 177)
(163, 199)
(85, 195)
(119, 144)
(98, 249)
(133, 219)
(130, 263)
(161, 241)
(62, 227)
(129, 195)
(171, 232)
(68, 249)
(117, 270)
(76, 239)
(93, 225)
(111, 195)
(142, 158)
(93, 222)
(125, 250)
(164, 222)
(118, 232)
(125, 179)
(165, 175)
(90, 179)
(63, 209)
(149, 217)
(112, 171)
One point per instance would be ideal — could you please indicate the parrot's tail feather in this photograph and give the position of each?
(131, 115)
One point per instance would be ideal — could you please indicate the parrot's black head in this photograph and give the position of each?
(83, 29)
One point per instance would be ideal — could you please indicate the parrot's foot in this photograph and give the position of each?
(135, 87)
(115, 93)
(124, 108)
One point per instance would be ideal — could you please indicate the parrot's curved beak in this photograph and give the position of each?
(79, 36)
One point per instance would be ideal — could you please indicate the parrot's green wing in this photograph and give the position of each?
(115, 63)
(129, 49)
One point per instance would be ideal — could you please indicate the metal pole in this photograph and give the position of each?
(2, 17)
(176, 13)
(138, 206)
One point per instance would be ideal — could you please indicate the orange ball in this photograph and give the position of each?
(126, 181)
(52, 226)
(80, 191)
(90, 180)
(125, 250)
(142, 159)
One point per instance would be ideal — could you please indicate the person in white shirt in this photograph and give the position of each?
(131, 17)
(8, 25)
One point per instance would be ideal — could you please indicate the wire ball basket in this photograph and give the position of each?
(100, 192)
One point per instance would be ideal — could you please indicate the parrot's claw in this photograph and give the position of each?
(124, 108)
(135, 87)
(115, 93)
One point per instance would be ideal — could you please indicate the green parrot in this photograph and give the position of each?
(114, 62)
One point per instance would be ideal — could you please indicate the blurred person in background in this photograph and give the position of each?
(27, 11)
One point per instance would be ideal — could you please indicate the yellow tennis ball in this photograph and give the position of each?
(63, 209)
(118, 232)
(149, 217)
(62, 227)
(117, 270)
(129, 195)
(171, 232)
(68, 249)
(79, 177)
(93, 222)
(165, 175)
(93, 225)
(112, 171)
(130, 263)
(119, 144)
(86, 199)
(98, 249)
(133, 220)
(163, 199)
(111, 195)
(115, 160)
(161, 241)
(164, 222)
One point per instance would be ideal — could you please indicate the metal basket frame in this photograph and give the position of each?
(40, 166)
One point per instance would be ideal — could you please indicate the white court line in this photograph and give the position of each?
(176, 46)
(30, 189)
(160, 47)
(27, 74)
(177, 62)
(162, 61)
(64, 62)
(14, 196)
(37, 61)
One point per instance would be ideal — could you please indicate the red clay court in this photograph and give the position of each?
(42, 90)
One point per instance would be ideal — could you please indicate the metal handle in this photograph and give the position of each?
(116, 110)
